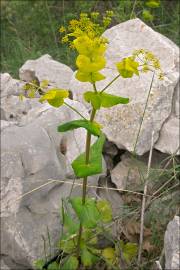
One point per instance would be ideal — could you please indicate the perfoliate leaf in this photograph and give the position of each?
(105, 210)
(108, 100)
(109, 254)
(89, 76)
(93, 98)
(97, 76)
(128, 67)
(85, 64)
(94, 166)
(105, 100)
(87, 213)
(90, 126)
(55, 97)
(70, 264)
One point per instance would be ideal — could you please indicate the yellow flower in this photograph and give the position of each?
(62, 29)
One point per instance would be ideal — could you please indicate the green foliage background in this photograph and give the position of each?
(29, 28)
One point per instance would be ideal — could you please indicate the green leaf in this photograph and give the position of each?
(108, 100)
(69, 224)
(53, 266)
(67, 243)
(105, 210)
(129, 250)
(94, 166)
(70, 264)
(55, 97)
(87, 258)
(105, 100)
(92, 127)
(89, 76)
(93, 98)
(85, 64)
(97, 76)
(83, 76)
(153, 3)
(147, 15)
(128, 67)
(87, 213)
(109, 254)
(39, 264)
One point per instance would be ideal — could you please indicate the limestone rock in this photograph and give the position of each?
(13, 109)
(171, 245)
(9, 86)
(176, 101)
(126, 174)
(45, 68)
(34, 156)
(169, 140)
(121, 123)
(131, 171)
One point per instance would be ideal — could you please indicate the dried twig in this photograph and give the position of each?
(144, 201)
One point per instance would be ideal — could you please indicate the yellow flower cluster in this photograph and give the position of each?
(148, 61)
(85, 35)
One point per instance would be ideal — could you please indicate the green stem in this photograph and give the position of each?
(84, 188)
(134, 151)
(94, 87)
(110, 83)
(72, 108)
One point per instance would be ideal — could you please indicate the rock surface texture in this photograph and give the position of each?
(171, 245)
(45, 68)
(121, 123)
(34, 156)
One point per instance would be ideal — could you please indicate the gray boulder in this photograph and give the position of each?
(121, 123)
(36, 161)
(9, 86)
(171, 245)
(45, 68)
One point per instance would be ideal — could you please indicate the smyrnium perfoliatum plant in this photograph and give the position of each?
(79, 240)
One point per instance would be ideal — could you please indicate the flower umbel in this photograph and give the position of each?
(85, 35)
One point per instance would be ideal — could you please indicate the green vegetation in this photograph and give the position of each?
(29, 28)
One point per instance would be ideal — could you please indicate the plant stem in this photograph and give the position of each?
(144, 202)
(72, 108)
(142, 119)
(84, 188)
(110, 83)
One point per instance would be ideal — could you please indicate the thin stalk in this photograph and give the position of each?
(144, 202)
(72, 108)
(110, 83)
(134, 151)
(84, 188)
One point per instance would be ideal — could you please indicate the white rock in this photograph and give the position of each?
(9, 86)
(130, 172)
(32, 154)
(121, 123)
(45, 68)
(171, 245)
(13, 109)
(169, 140)
(176, 101)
